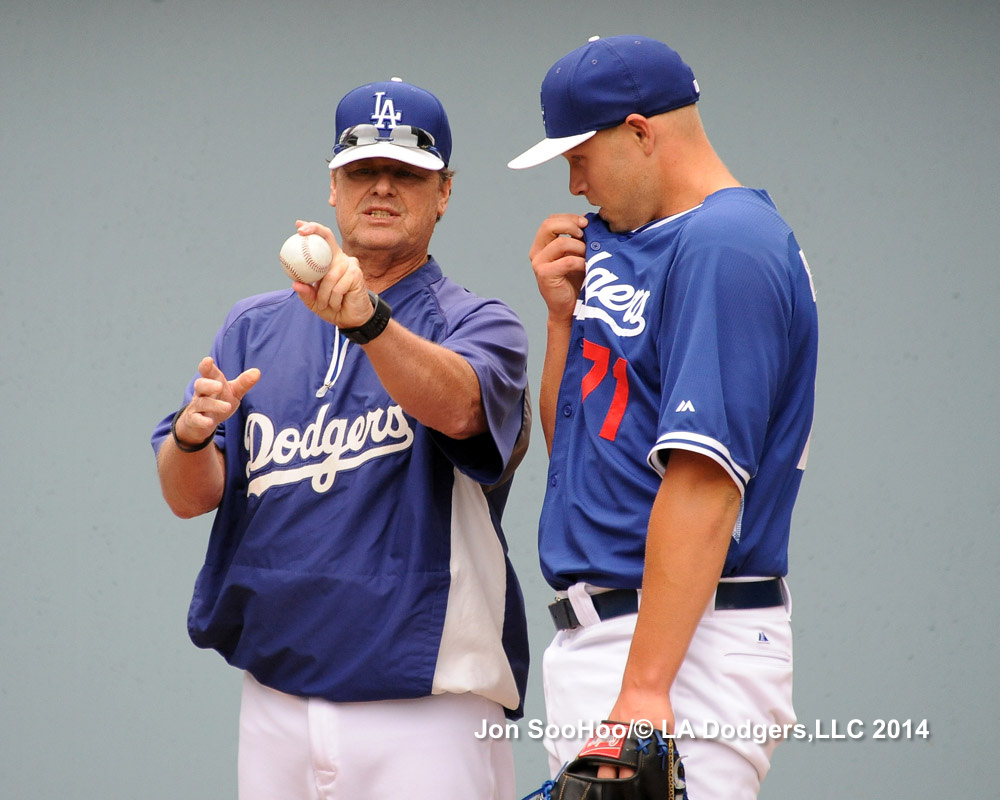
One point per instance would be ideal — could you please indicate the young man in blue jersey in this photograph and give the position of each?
(355, 439)
(676, 402)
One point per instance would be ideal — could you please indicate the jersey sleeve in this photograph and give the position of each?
(722, 349)
(493, 341)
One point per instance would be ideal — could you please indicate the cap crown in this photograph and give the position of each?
(598, 85)
(388, 105)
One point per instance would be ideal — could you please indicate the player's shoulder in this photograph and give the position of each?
(736, 228)
(738, 244)
(456, 302)
(737, 213)
(260, 306)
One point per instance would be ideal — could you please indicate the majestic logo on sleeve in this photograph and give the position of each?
(323, 450)
(613, 302)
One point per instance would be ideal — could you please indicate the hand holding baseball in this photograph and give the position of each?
(341, 295)
(305, 257)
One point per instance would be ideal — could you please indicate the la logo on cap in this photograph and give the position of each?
(385, 115)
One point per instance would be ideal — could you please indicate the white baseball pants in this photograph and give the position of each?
(737, 672)
(294, 748)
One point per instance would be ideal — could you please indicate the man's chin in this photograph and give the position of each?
(378, 238)
(610, 222)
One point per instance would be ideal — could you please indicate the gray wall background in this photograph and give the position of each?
(156, 154)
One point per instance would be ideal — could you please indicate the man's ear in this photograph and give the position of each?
(333, 188)
(444, 197)
(642, 131)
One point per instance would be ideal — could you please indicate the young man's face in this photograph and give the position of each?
(606, 170)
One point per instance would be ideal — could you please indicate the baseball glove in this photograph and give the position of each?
(658, 772)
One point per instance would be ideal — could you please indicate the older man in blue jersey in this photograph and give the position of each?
(677, 403)
(355, 439)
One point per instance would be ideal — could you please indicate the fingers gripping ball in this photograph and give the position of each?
(305, 258)
(658, 772)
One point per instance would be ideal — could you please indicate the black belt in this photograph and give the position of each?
(618, 602)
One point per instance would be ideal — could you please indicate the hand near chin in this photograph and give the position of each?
(558, 258)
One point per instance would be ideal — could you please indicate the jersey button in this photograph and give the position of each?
(553, 480)
(567, 410)
(595, 245)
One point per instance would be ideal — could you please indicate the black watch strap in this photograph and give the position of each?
(365, 333)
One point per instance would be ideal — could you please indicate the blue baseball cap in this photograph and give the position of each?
(598, 85)
(392, 119)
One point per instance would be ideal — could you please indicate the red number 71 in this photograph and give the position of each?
(601, 355)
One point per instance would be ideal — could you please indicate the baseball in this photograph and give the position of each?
(305, 258)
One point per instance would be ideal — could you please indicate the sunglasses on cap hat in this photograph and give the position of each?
(401, 136)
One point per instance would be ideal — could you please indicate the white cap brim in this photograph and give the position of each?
(408, 155)
(548, 149)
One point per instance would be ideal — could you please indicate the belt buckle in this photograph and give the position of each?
(563, 615)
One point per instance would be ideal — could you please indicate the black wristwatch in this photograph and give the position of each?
(375, 325)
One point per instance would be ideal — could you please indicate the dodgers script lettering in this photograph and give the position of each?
(323, 449)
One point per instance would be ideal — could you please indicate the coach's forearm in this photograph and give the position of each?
(433, 384)
(192, 483)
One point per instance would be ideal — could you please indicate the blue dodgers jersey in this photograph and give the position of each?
(329, 569)
(699, 332)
